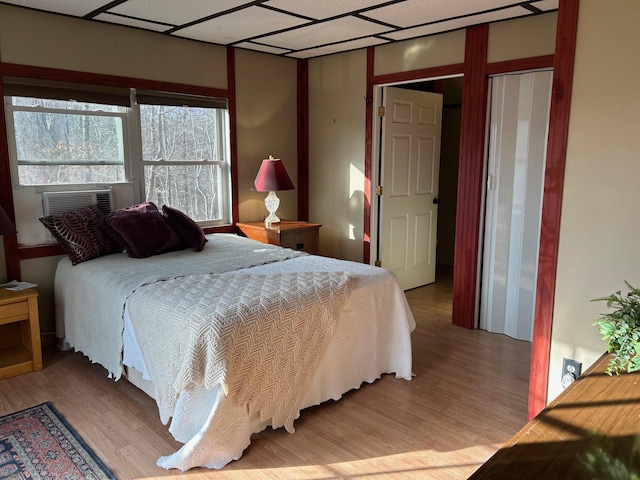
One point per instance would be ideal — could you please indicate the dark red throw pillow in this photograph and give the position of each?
(189, 231)
(80, 235)
(143, 231)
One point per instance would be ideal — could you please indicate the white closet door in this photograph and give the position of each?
(519, 121)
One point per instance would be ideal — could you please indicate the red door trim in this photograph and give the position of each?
(368, 156)
(470, 171)
(563, 62)
(233, 131)
(303, 139)
(12, 263)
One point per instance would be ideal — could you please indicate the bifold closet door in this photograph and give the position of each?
(518, 125)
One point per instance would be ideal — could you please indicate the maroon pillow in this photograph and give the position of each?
(113, 234)
(143, 230)
(79, 233)
(189, 231)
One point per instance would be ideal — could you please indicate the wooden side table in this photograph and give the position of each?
(20, 349)
(292, 234)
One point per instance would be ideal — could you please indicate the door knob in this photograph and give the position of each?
(436, 200)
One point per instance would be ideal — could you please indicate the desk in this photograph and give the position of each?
(595, 418)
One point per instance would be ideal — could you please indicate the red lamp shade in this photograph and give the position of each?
(6, 227)
(272, 177)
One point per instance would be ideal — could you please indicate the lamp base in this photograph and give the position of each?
(272, 202)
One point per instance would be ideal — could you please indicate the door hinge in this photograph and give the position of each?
(381, 111)
(378, 263)
(379, 189)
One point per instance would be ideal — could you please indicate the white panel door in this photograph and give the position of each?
(410, 167)
(519, 118)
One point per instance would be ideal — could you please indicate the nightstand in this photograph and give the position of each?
(20, 350)
(288, 233)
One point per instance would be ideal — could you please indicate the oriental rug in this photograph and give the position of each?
(38, 444)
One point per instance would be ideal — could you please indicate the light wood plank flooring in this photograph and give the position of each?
(469, 396)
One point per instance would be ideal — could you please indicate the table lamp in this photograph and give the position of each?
(272, 177)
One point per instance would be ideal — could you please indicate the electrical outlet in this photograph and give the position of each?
(570, 371)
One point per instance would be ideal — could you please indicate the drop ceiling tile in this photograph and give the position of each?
(78, 8)
(341, 29)
(240, 25)
(321, 10)
(130, 22)
(448, 25)
(175, 12)
(415, 12)
(338, 47)
(546, 5)
(261, 48)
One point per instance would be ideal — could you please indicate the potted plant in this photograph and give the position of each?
(621, 329)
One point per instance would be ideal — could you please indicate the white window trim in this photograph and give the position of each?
(133, 163)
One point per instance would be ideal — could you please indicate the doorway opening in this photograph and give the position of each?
(519, 107)
(447, 178)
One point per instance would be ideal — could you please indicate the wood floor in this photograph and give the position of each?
(468, 396)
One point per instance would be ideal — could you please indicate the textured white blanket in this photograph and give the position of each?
(102, 286)
(260, 337)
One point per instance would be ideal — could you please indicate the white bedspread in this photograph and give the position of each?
(90, 297)
(259, 337)
(372, 337)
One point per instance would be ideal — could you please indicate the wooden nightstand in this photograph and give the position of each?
(20, 350)
(288, 233)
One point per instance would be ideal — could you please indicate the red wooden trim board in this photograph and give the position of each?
(303, 139)
(566, 33)
(470, 171)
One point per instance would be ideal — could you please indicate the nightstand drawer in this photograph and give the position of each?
(14, 312)
(306, 241)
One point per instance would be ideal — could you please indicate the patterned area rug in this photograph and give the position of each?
(39, 444)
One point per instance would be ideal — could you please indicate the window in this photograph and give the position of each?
(64, 142)
(176, 147)
(184, 152)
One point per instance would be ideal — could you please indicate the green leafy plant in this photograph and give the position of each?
(621, 329)
(610, 458)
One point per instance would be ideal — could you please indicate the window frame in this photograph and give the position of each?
(132, 146)
(223, 152)
(13, 148)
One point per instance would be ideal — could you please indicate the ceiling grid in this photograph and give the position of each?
(294, 28)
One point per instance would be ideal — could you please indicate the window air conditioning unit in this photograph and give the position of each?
(62, 202)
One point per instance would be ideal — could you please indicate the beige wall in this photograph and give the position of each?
(522, 38)
(600, 223)
(266, 97)
(266, 109)
(74, 44)
(337, 87)
(426, 52)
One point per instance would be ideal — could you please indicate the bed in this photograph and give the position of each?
(234, 338)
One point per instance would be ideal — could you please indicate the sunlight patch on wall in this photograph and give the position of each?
(356, 198)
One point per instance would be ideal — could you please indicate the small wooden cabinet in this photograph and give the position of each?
(20, 349)
(288, 233)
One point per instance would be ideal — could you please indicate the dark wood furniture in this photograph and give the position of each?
(288, 233)
(595, 421)
(20, 350)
